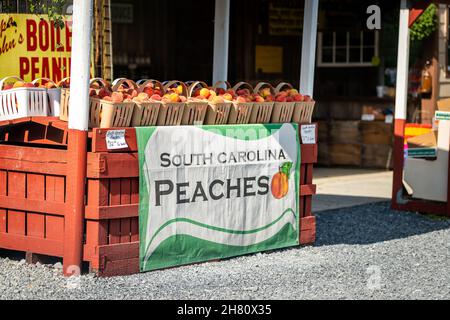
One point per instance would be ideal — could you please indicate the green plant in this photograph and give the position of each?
(425, 25)
(53, 8)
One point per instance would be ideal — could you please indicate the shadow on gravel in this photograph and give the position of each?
(372, 223)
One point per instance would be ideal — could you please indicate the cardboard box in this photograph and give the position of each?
(428, 140)
(444, 105)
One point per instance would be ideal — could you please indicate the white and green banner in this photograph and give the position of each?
(213, 192)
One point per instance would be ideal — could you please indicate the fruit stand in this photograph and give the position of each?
(70, 171)
(33, 195)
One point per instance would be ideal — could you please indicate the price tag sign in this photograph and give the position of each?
(115, 140)
(308, 134)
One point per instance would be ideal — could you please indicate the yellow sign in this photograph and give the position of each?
(32, 47)
(269, 59)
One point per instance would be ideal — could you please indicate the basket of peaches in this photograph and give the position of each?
(53, 95)
(173, 103)
(288, 98)
(148, 103)
(19, 99)
(218, 101)
(199, 98)
(241, 109)
(263, 98)
(111, 107)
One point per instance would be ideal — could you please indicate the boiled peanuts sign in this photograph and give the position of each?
(32, 47)
(214, 192)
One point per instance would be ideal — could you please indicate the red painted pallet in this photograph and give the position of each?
(33, 197)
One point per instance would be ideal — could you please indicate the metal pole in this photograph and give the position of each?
(309, 47)
(221, 39)
(78, 130)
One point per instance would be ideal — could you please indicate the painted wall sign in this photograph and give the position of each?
(31, 47)
(213, 192)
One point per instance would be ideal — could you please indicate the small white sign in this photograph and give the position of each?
(389, 119)
(308, 134)
(115, 139)
(368, 117)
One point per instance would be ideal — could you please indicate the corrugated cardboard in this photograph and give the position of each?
(428, 140)
(444, 105)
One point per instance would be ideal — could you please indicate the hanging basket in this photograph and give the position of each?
(146, 113)
(241, 111)
(53, 95)
(21, 102)
(262, 111)
(283, 111)
(195, 111)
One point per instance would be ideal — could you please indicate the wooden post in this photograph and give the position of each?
(221, 38)
(309, 47)
(401, 101)
(78, 130)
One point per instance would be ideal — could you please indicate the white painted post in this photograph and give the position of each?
(221, 39)
(401, 98)
(80, 66)
(309, 47)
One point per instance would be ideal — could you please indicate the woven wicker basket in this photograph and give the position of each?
(262, 111)
(241, 111)
(107, 114)
(283, 111)
(195, 111)
(303, 112)
(218, 113)
(171, 114)
(146, 113)
(65, 98)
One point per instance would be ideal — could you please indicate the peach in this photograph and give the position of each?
(205, 92)
(142, 96)
(19, 84)
(241, 99)
(104, 93)
(117, 97)
(217, 100)
(258, 99)
(50, 85)
(156, 97)
(265, 92)
(228, 97)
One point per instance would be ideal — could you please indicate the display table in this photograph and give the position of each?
(33, 171)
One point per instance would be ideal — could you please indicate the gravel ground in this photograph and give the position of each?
(365, 252)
